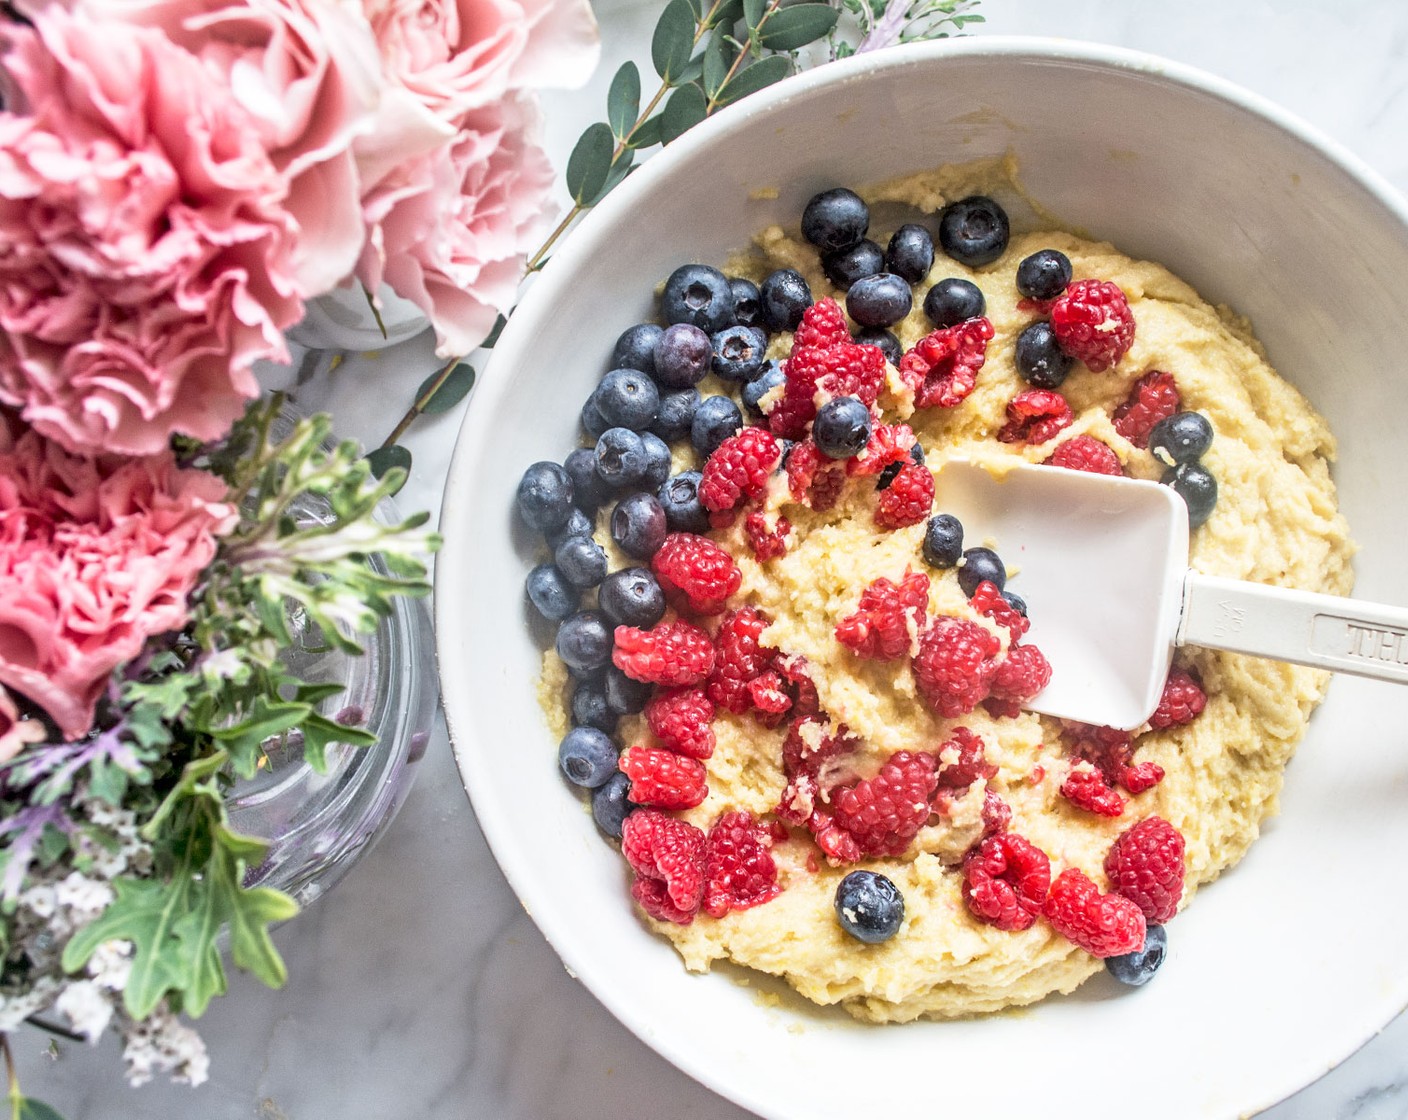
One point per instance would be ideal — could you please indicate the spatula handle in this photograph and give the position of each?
(1326, 631)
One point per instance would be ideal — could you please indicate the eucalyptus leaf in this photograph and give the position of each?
(718, 57)
(590, 160)
(623, 99)
(385, 460)
(31, 1109)
(492, 338)
(693, 71)
(789, 29)
(758, 76)
(647, 133)
(685, 109)
(621, 166)
(451, 391)
(753, 12)
(673, 41)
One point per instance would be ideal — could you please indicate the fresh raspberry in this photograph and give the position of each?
(962, 760)
(954, 668)
(836, 844)
(682, 719)
(888, 444)
(1035, 416)
(1002, 709)
(767, 539)
(823, 324)
(815, 374)
(942, 367)
(1111, 752)
(814, 477)
(805, 752)
(888, 618)
(1152, 398)
(768, 695)
(1021, 674)
(884, 813)
(1140, 776)
(739, 871)
(997, 814)
(1104, 925)
(667, 856)
(799, 684)
(1086, 453)
(669, 653)
(738, 659)
(1145, 864)
(663, 778)
(1005, 880)
(908, 500)
(1180, 703)
(987, 600)
(738, 469)
(1086, 789)
(1092, 323)
(695, 573)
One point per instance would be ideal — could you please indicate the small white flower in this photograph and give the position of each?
(222, 665)
(87, 1007)
(40, 900)
(161, 1043)
(86, 898)
(111, 964)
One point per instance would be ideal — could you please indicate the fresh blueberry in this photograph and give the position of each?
(869, 906)
(981, 564)
(835, 219)
(1195, 484)
(679, 497)
(638, 525)
(943, 541)
(879, 301)
(676, 414)
(715, 420)
(917, 453)
(769, 378)
(888, 344)
(544, 496)
(1044, 274)
(621, 459)
(593, 423)
(587, 756)
(589, 707)
(627, 398)
(1183, 437)
(738, 352)
(632, 597)
(845, 266)
(1139, 967)
(682, 356)
(1016, 602)
(973, 230)
(842, 427)
(887, 475)
(578, 524)
(625, 695)
(550, 593)
(951, 301)
(1040, 360)
(657, 460)
(584, 643)
(587, 490)
(910, 253)
(581, 561)
(635, 349)
(698, 294)
(610, 806)
(785, 296)
(747, 302)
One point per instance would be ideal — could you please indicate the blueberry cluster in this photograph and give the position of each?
(1040, 360)
(1179, 442)
(647, 401)
(943, 548)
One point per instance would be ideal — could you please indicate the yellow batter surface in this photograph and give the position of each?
(1275, 522)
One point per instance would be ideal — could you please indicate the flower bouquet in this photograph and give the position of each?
(178, 178)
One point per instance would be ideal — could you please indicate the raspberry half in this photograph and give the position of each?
(695, 573)
(1093, 323)
(888, 618)
(813, 477)
(987, 600)
(1145, 864)
(1182, 701)
(942, 367)
(767, 537)
(1104, 925)
(1022, 674)
(963, 761)
(1087, 789)
(667, 856)
(1086, 453)
(1035, 416)
(738, 659)
(1005, 881)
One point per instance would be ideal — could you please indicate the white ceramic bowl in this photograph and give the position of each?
(1290, 961)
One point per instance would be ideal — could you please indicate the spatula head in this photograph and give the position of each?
(1100, 562)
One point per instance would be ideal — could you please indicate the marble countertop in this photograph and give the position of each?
(419, 987)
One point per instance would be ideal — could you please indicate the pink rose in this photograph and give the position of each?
(149, 258)
(96, 555)
(308, 73)
(16, 733)
(451, 230)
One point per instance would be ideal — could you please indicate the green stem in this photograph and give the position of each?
(11, 1078)
(713, 102)
(420, 402)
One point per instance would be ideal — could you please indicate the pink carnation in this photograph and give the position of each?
(16, 733)
(149, 258)
(450, 231)
(96, 555)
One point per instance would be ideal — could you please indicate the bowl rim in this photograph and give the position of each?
(544, 289)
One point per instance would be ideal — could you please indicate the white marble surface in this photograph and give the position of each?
(419, 988)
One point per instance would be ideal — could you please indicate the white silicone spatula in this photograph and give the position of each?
(1103, 567)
